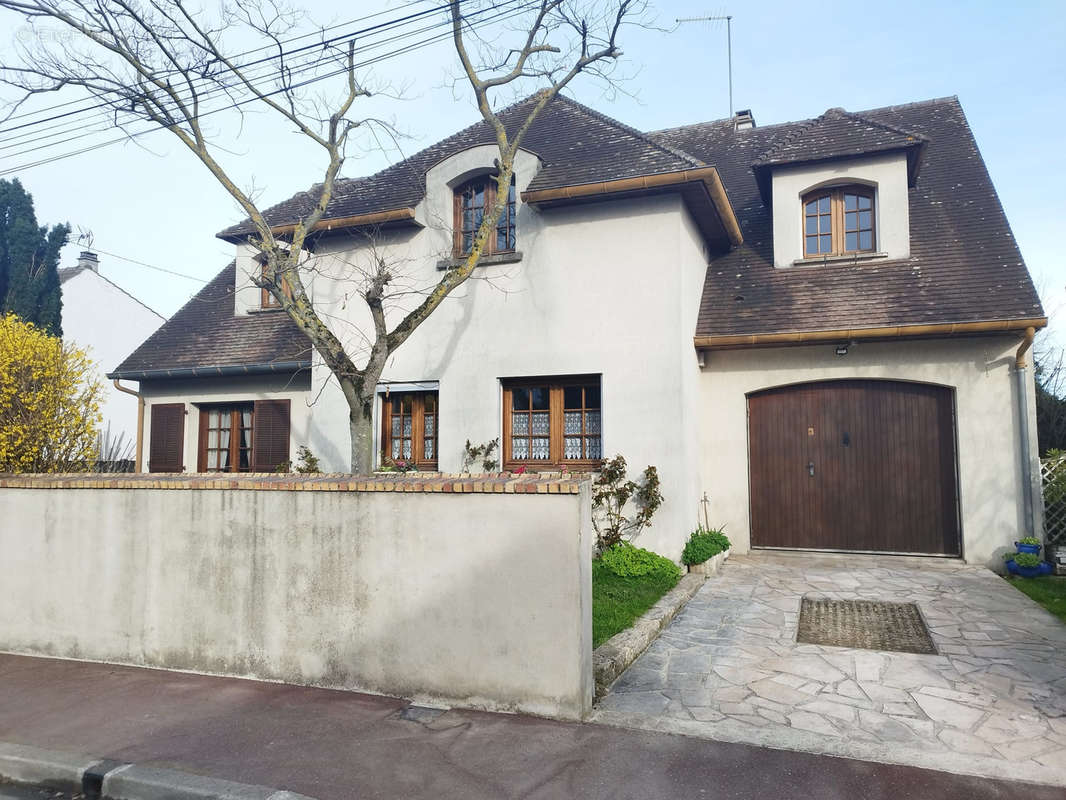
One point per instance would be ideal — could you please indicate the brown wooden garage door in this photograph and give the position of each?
(854, 465)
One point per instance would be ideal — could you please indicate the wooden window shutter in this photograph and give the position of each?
(270, 434)
(167, 438)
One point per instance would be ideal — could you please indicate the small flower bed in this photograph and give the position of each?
(703, 545)
(626, 582)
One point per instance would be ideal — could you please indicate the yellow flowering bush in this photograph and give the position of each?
(49, 401)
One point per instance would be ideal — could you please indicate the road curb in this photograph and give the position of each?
(99, 777)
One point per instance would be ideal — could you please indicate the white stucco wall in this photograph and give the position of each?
(980, 370)
(247, 297)
(483, 601)
(887, 174)
(195, 391)
(610, 289)
(101, 317)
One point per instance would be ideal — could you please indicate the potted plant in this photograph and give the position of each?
(1028, 565)
(1029, 544)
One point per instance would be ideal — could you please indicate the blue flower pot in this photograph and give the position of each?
(1043, 568)
(1027, 548)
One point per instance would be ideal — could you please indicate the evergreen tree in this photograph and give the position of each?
(29, 261)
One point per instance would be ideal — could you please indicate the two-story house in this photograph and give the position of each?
(815, 325)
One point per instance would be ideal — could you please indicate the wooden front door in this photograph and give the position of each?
(861, 465)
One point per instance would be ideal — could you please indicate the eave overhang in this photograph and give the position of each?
(736, 342)
(229, 370)
(700, 187)
(390, 218)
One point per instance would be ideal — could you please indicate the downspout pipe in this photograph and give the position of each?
(1021, 373)
(140, 420)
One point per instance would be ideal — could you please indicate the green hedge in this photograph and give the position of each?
(703, 545)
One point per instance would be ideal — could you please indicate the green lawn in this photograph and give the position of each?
(617, 602)
(1049, 591)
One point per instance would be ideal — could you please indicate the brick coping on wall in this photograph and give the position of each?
(453, 483)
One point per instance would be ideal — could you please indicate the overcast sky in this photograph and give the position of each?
(1005, 61)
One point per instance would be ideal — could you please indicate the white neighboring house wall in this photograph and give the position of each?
(980, 370)
(885, 174)
(108, 321)
(609, 289)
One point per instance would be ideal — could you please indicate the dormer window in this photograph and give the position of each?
(266, 299)
(838, 221)
(471, 200)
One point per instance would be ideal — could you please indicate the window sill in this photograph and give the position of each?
(264, 310)
(537, 467)
(840, 259)
(484, 261)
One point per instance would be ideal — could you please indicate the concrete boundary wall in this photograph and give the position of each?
(472, 591)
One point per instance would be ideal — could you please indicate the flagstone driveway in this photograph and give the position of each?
(992, 702)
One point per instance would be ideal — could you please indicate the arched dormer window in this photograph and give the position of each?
(838, 221)
(471, 200)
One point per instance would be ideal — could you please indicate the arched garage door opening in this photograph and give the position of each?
(855, 465)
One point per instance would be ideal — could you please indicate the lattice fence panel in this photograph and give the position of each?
(1053, 480)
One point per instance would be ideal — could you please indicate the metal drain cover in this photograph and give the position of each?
(423, 714)
(865, 624)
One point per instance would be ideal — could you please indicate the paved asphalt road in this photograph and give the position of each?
(9, 791)
(343, 745)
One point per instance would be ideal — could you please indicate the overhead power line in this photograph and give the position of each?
(503, 11)
(76, 129)
(173, 72)
(150, 266)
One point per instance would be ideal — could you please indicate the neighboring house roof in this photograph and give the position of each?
(576, 144)
(205, 338)
(66, 273)
(964, 266)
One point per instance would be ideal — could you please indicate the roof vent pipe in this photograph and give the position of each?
(743, 120)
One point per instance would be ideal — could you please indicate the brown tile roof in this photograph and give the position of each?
(837, 134)
(965, 265)
(205, 338)
(576, 144)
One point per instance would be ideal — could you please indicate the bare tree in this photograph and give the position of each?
(160, 61)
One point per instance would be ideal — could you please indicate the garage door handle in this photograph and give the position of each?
(810, 468)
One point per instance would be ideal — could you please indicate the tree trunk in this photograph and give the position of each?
(361, 425)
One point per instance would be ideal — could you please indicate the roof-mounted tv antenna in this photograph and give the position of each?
(728, 19)
(85, 237)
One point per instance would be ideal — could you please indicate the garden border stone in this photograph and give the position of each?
(614, 656)
(711, 565)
